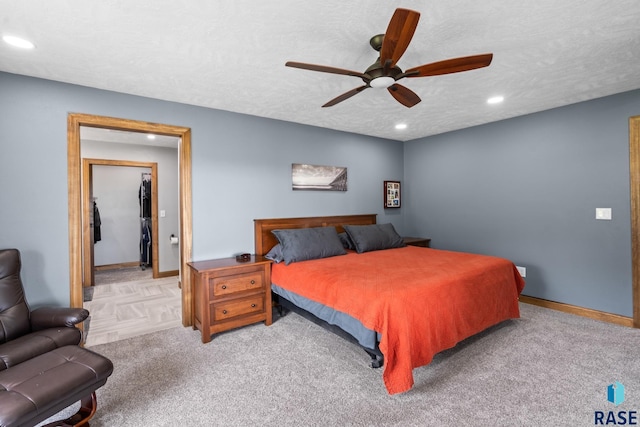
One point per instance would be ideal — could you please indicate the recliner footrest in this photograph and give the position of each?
(39, 388)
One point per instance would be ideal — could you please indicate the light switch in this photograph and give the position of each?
(603, 213)
(162, 214)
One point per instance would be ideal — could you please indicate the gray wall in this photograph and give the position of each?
(527, 189)
(241, 171)
(245, 173)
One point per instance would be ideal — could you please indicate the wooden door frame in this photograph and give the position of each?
(87, 243)
(634, 173)
(74, 182)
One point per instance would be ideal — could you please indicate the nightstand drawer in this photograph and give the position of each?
(237, 307)
(237, 283)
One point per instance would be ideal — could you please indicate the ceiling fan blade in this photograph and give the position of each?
(449, 66)
(345, 95)
(398, 35)
(325, 69)
(403, 95)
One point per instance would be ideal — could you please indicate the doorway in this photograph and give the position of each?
(634, 171)
(74, 162)
(88, 243)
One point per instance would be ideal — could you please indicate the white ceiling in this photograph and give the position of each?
(230, 55)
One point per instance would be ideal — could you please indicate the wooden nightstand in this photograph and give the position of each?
(228, 294)
(417, 241)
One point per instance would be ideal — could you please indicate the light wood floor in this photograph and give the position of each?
(129, 309)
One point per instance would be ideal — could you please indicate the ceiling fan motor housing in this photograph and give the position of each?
(376, 70)
(376, 42)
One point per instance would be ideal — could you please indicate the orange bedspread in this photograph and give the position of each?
(420, 300)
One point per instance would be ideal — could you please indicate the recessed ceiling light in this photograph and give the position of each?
(151, 136)
(18, 42)
(401, 126)
(495, 100)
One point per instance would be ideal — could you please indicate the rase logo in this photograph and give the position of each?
(615, 395)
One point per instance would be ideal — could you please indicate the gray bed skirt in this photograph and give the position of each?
(365, 337)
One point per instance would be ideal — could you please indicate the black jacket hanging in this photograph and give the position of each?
(97, 235)
(144, 196)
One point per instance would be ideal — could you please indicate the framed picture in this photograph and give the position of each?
(315, 177)
(392, 194)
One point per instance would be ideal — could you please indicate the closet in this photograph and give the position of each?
(127, 202)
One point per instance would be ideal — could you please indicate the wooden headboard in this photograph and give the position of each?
(265, 240)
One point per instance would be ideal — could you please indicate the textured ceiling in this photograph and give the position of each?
(230, 55)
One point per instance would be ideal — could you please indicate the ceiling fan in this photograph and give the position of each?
(384, 73)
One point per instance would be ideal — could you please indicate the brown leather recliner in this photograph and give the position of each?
(43, 370)
(25, 334)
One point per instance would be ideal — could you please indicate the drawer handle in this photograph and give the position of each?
(224, 311)
(253, 282)
(253, 305)
(224, 286)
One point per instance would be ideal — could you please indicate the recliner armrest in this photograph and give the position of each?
(53, 317)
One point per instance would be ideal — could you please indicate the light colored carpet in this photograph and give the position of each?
(547, 368)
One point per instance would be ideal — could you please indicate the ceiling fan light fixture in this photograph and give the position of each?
(382, 82)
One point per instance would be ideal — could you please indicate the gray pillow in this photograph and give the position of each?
(301, 244)
(346, 241)
(275, 254)
(374, 237)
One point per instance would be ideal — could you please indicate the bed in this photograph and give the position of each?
(404, 303)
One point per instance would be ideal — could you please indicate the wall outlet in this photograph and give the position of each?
(522, 271)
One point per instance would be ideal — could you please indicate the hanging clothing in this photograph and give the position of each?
(97, 235)
(144, 196)
(145, 243)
